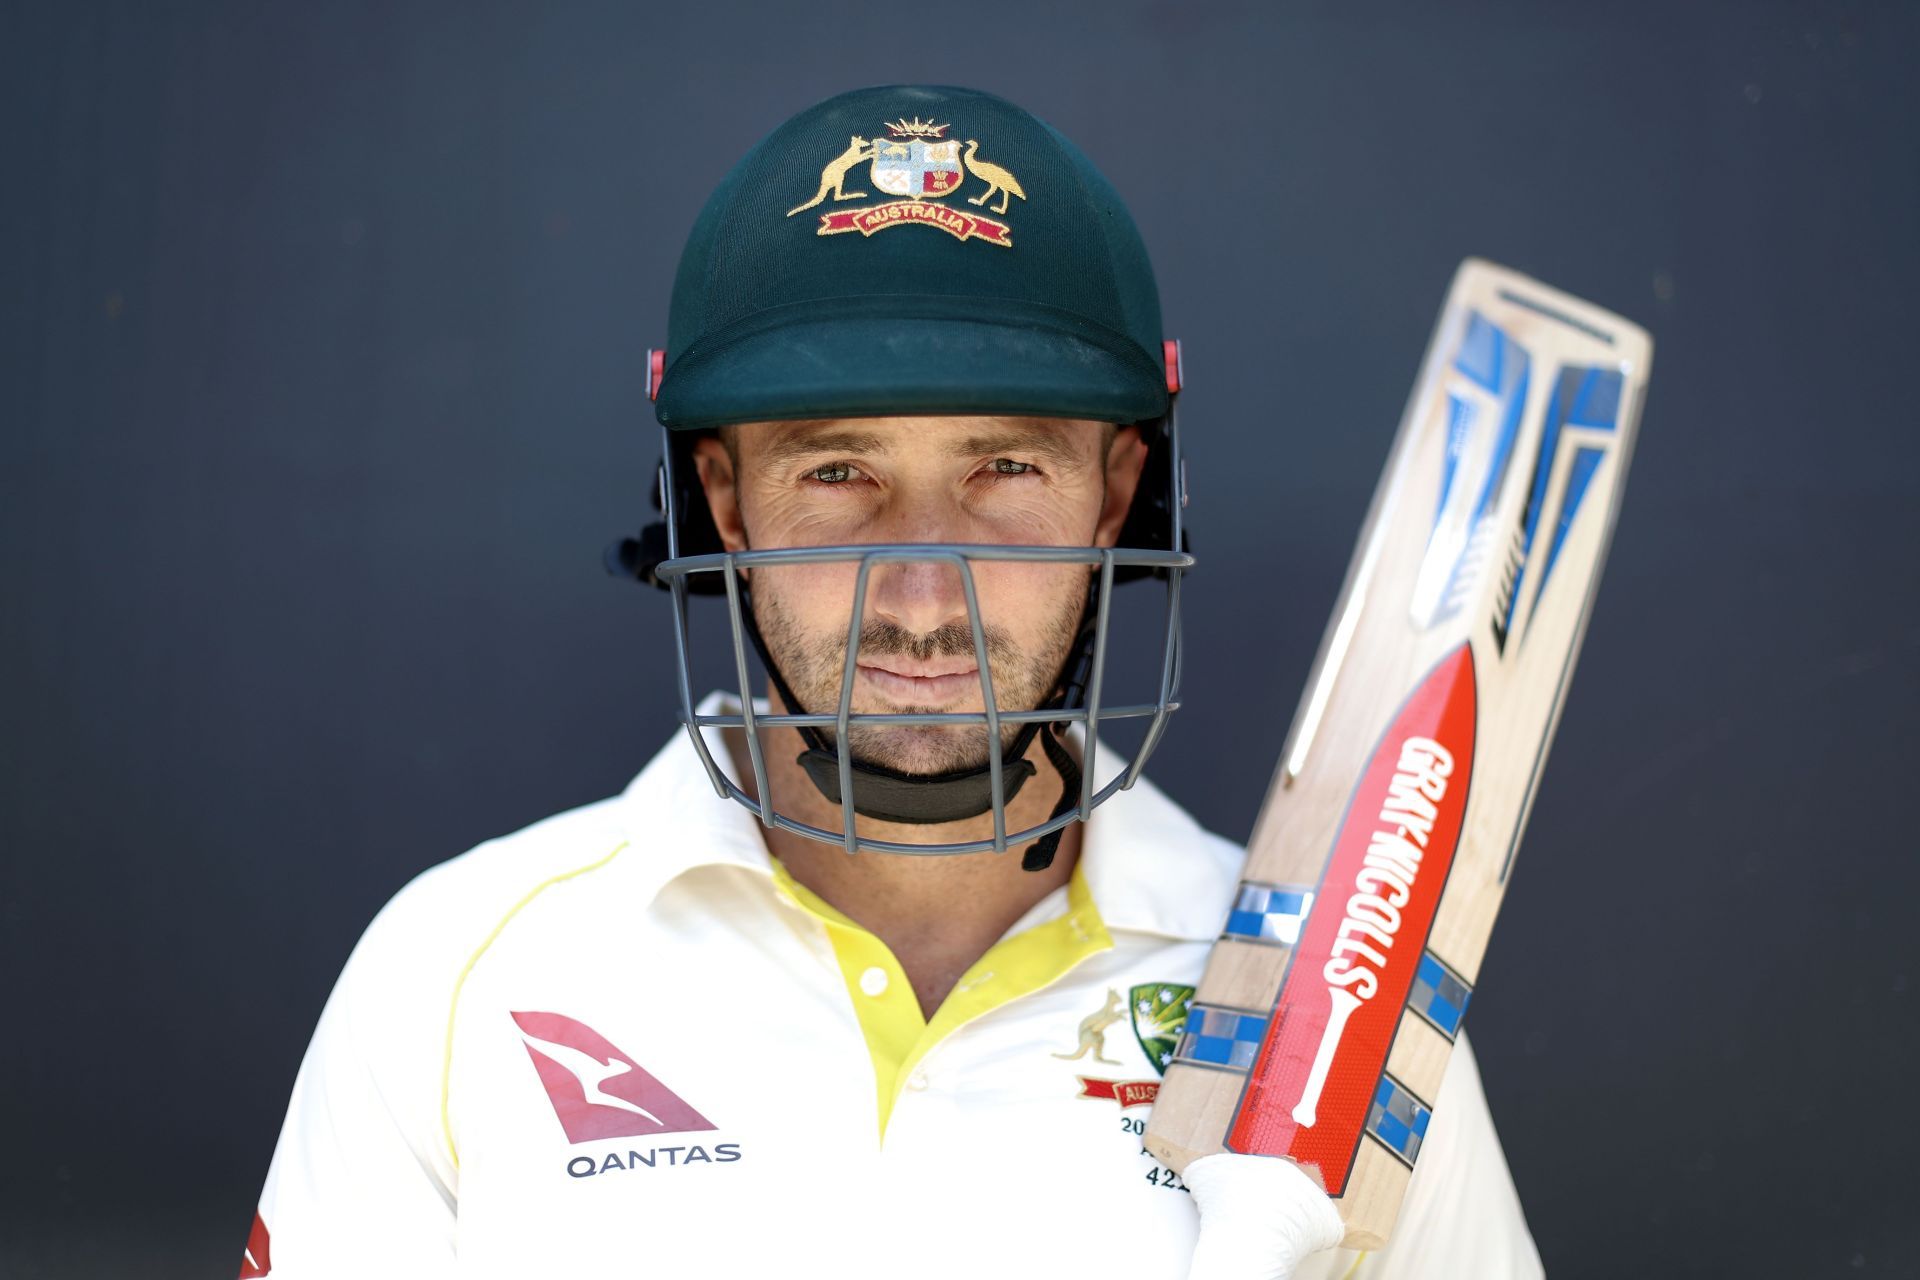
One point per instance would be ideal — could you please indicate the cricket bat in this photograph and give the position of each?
(1329, 1006)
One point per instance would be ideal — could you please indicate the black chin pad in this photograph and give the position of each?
(887, 796)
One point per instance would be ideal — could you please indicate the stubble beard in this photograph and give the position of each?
(812, 665)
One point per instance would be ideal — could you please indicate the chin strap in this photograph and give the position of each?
(890, 795)
(1039, 855)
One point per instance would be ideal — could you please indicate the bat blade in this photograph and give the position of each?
(1322, 1027)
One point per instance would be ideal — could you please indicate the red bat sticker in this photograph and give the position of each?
(1347, 982)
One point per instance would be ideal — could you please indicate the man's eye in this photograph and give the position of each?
(833, 473)
(1008, 467)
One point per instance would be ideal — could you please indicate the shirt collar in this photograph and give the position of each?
(675, 818)
(1151, 868)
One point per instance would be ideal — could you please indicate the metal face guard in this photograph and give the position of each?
(676, 572)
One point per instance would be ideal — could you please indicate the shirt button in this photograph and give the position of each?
(874, 981)
(917, 1081)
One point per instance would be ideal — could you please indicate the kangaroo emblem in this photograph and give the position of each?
(996, 178)
(1093, 1030)
(833, 178)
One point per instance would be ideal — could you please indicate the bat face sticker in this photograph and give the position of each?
(1312, 1087)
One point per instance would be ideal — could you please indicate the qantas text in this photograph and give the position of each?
(587, 1166)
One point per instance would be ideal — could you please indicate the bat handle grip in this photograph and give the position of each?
(1260, 1216)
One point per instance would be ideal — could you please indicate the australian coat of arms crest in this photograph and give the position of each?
(918, 163)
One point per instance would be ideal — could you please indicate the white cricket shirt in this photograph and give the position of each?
(622, 1042)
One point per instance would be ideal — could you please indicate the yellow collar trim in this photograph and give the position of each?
(897, 1036)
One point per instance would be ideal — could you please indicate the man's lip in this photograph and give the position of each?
(947, 687)
(922, 670)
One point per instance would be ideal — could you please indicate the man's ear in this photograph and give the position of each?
(715, 467)
(1125, 458)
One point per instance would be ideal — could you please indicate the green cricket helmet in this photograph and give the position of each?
(913, 250)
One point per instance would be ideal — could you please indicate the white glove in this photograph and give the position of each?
(1259, 1216)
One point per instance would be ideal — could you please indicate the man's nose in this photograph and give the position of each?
(920, 596)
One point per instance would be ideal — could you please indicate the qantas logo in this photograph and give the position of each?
(598, 1091)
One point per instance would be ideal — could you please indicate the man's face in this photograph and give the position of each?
(1012, 481)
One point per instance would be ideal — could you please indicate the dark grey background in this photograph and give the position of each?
(320, 390)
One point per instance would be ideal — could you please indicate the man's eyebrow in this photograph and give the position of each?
(794, 445)
(1050, 441)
